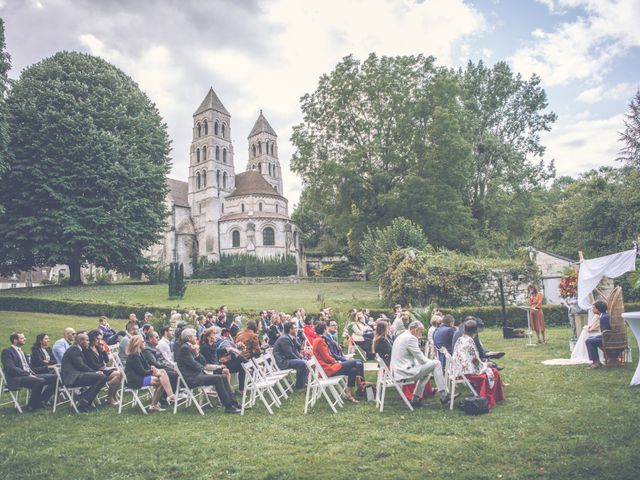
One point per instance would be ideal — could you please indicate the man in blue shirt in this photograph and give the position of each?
(443, 337)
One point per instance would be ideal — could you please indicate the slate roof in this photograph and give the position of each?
(211, 101)
(262, 125)
(179, 191)
(252, 183)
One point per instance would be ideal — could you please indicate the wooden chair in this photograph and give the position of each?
(614, 341)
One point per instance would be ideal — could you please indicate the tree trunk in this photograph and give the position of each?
(74, 273)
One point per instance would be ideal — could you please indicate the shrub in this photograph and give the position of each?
(245, 265)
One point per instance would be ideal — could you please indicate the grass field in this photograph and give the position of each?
(312, 296)
(556, 422)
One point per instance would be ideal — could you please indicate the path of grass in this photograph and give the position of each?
(312, 296)
(557, 423)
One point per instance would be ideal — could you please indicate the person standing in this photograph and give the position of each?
(536, 317)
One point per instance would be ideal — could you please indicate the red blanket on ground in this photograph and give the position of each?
(481, 384)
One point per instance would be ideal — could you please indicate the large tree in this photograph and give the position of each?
(5, 66)
(89, 159)
(630, 137)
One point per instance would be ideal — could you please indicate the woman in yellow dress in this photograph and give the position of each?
(536, 317)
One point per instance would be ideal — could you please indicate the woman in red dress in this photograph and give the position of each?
(536, 317)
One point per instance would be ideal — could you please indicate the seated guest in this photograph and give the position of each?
(177, 337)
(436, 320)
(331, 366)
(485, 378)
(265, 321)
(164, 345)
(62, 344)
(141, 374)
(275, 329)
(409, 363)
(192, 367)
(97, 359)
(42, 357)
(484, 355)
(133, 330)
(209, 321)
(76, 373)
(109, 335)
(236, 325)
(331, 336)
(200, 321)
(147, 328)
(134, 318)
(19, 374)
(249, 338)
(595, 342)
(286, 354)
(381, 342)
(230, 356)
(443, 337)
(332, 329)
(209, 352)
(155, 358)
(362, 334)
(309, 331)
(399, 325)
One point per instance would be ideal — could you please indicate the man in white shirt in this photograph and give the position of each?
(61, 345)
(409, 363)
(164, 345)
(132, 329)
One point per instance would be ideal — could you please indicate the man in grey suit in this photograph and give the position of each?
(409, 363)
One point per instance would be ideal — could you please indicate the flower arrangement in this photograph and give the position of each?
(569, 285)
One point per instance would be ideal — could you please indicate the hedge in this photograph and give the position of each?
(246, 265)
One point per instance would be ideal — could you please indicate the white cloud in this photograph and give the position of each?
(578, 144)
(585, 47)
(599, 93)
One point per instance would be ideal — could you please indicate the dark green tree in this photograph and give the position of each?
(5, 66)
(172, 280)
(89, 158)
(630, 137)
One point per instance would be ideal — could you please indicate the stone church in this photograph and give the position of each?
(220, 212)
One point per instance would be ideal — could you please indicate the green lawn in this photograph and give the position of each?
(312, 296)
(556, 422)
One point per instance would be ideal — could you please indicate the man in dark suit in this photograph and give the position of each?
(443, 337)
(285, 353)
(192, 368)
(155, 359)
(19, 374)
(76, 373)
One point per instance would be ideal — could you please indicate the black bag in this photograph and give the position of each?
(475, 405)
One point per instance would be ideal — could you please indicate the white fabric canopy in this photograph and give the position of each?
(592, 271)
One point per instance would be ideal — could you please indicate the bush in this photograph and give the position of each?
(245, 265)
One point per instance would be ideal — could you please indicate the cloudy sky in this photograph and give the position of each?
(266, 54)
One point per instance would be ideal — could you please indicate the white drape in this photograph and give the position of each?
(592, 271)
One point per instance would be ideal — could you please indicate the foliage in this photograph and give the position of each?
(333, 270)
(456, 152)
(378, 244)
(89, 158)
(103, 278)
(423, 315)
(630, 138)
(177, 287)
(158, 273)
(598, 214)
(419, 278)
(569, 284)
(246, 265)
(5, 66)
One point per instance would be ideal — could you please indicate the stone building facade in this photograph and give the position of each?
(220, 212)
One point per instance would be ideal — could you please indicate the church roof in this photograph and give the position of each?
(179, 191)
(252, 183)
(211, 101)
(262, 125)
(256, 215)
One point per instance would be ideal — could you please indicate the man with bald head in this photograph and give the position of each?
(76, 373)
(65, 342)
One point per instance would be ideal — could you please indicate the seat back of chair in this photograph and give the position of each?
(616, 339)
(316, 372)
(3, 381)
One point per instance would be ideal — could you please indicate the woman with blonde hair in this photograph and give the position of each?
(140, 374)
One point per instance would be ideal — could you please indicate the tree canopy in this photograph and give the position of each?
(399, 136)
(5, 66)
(87, 178)
(630, 136)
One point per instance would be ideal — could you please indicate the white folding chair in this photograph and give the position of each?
(67, 393)
(190, 395)
(318, 384)
(430, 350)
(256, 386)
(454, 376)
(14, 394)
(307, 344)
(135, 392)
(355, 349)
(272, 367)
(386, 379)
(267, 374)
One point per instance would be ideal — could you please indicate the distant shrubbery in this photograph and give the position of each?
(245, 265)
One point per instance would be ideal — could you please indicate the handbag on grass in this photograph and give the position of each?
(475, 405)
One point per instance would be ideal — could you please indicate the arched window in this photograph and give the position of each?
(215, 128)
(199, 128)
(260, 206)
(269, 169)
(275, 187)
(198, 180)
(222, 129)
(204, 153)
(224, 155)
(204, 178)
(259, 147)
(254, 150)
(206, 127)
(224, 180)
(272, 149)
(242, 207)
(218, 178)
(217, 152)
(198, 155)
(235, 238)
(222, 206)
(268, 237)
